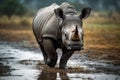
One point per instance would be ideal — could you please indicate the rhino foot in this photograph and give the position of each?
(51, 64)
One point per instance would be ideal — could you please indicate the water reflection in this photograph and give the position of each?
(47, 75)
(18, 63)
(64, 76)
(53, 75)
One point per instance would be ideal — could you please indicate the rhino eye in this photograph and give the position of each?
(66, 36)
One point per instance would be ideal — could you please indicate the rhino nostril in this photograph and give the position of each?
(69, 46)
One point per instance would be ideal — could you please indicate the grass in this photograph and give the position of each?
(101, 40)
(105, 36)
(16, 20)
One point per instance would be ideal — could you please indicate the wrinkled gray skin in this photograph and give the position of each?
(59, 27)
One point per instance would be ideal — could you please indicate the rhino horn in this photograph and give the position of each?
(76, 31)
(75, 36)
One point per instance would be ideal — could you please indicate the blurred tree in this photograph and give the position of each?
(96, 5)
(37, 4)
(11, 7)
(104, 5)
(77, 5)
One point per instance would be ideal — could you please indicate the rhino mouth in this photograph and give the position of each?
(74, 45)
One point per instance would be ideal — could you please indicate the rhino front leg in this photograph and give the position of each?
(50, 49)
(44, 53)
(64, 58)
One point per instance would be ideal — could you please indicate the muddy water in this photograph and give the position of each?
(17, 62)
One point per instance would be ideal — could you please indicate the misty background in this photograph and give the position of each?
(97, 5)
(29, 7)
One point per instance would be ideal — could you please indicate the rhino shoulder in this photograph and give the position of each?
(49, 8)
(44, 17)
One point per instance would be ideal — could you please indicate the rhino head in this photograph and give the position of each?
(70, 25)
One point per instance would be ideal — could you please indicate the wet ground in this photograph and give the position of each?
(20, 62)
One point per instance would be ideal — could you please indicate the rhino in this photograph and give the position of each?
(59, 26)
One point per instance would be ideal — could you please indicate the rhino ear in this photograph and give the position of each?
(59, 13)
(85, 13)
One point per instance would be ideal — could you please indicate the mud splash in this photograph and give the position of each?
(19, 63)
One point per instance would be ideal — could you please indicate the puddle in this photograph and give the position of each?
(18, 63)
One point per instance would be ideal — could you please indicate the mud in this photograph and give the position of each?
(18, 61)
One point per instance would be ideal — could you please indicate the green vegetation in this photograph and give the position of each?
(11, 7)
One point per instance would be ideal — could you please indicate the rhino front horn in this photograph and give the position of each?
(75, 36)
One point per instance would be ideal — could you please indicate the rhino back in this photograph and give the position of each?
(42, 18)
(68, 8)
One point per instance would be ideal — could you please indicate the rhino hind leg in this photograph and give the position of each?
(64, 58)
(50, 49)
